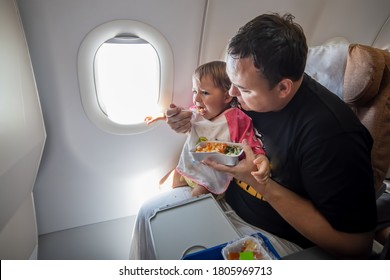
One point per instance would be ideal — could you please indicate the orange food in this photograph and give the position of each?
(212, 147)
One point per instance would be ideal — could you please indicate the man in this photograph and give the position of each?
(321, 191)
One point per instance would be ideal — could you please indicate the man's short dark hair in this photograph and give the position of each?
(276, 44)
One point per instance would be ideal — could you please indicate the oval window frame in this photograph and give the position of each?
(86, 58)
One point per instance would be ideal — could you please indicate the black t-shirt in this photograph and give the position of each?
(320, 150)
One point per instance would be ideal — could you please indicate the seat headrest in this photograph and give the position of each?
(363, 74)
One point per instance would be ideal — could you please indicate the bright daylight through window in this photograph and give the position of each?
(127, 78)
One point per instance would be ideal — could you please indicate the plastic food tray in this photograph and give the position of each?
(196, 224)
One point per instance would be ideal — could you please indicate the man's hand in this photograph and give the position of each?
(178, 119)
(243, 170)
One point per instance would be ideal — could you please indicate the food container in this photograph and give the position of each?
(247, 248)
(226, 159)
(215, 253)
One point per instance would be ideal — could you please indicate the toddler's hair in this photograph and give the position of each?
(215, 70)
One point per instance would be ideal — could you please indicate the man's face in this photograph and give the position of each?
(250, 87)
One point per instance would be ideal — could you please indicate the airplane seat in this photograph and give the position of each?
(366, 90)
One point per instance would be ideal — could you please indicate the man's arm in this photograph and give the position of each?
(301, 213)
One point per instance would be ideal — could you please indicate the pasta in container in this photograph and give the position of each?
(227, 153)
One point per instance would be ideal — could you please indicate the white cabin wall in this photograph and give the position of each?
(359, 21)
(88, 175)
(225, 17)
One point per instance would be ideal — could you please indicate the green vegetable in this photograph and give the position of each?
(201, 139)
(232, 150)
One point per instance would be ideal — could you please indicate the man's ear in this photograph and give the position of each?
(285, 87)
(228, 97)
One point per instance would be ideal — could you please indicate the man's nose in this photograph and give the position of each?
(233, 91)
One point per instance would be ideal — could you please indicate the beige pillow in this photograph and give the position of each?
(363, 74)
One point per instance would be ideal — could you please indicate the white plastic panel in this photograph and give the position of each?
(22, 135)
(18, 238)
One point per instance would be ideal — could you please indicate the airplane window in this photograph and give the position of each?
(125, 71)
(127, 79)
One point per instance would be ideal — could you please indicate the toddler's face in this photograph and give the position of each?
(210, 101)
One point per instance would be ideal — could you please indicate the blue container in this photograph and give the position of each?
(215, 253)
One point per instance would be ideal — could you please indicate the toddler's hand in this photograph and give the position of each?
(150, 119)
(263, 172)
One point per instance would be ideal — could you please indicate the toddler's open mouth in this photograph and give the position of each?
(201, 110)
